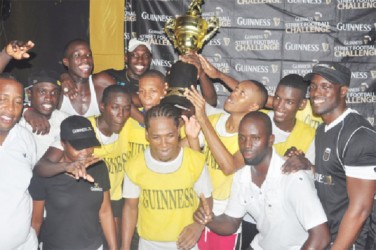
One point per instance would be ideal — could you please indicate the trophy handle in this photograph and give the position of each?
(213, 26)
(169, 29)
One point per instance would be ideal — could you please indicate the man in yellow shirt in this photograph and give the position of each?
(162, 185)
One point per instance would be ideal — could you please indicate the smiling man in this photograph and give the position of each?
(18, 156)
(44, 92)
(289, 132)
(162, 185)
(345, 157)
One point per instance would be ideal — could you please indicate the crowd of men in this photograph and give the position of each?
(139, 159)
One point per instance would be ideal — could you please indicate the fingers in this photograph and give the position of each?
(205, 204)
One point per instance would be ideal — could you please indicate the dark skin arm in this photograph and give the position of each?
(16, 50)
(107, 222)
(361, 197)
(50, 165)
(129, 221)
(222, 224)
(37, 216)
(318, 237)
(214, 73)
(191, 233)
(229, 81)
(207, 86)
(227, 162)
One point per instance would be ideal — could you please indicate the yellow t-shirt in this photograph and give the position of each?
(136, 138)
(115, 157)
(167, 201)
(221, 183)
(300, 137)
(306, 115)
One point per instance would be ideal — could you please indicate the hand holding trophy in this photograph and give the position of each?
(188, 33)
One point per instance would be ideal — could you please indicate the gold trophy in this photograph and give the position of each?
(188, 33)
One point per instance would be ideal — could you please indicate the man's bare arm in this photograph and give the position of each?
(361, 197)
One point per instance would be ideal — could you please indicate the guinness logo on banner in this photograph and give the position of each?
(226, 40)
(274, 68)
(317, 16)
(371, 120)
(217, 57)
(373, 74)
(276, 21)
(265, 80)
(325, 46)
(267, 33)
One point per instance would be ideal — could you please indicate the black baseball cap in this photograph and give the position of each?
(78, 132)
(331, 71)
(49, 76)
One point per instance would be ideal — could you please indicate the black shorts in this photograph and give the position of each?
(117, 207)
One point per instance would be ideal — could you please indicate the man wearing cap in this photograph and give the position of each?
(77, 210)
(138, 60)
(89, 88)
(44, 92)
(345, 159)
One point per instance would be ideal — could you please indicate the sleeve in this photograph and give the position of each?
(235, 207)
(130, 190)
(100, 174)
(302, 197)
(57, 144)
(203, 184)
(37, 188)
(360, 160)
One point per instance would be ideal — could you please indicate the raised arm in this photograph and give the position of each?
(227, 162)
(207, 86)
(214, 73)
(16, 50)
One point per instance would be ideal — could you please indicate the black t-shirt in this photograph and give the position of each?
(122, 79)
(72, 207)
(351, 142)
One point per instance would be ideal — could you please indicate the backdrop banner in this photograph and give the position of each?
(268, 39)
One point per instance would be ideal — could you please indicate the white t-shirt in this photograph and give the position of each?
(285, 207)
(53, 137)
(67, 107)
(131, 190)
(18, 155)
(281, 136)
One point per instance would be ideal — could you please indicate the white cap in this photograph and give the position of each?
(134, 43)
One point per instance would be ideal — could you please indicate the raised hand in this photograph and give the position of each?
(18, 49)
(192, 58)
(198, 101)
(192, 127)
(208, 68)
(203, 213)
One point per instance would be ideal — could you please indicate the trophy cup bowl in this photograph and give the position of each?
(188, 33)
